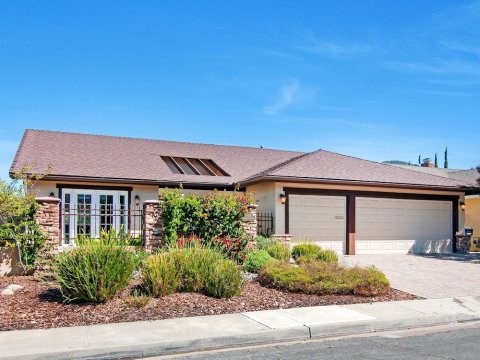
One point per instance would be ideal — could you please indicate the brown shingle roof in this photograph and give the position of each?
(469, 176)
(111, 157)
(81, 156)
(325, 165)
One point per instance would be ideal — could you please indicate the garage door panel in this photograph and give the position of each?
(399, 225)
(320, 219)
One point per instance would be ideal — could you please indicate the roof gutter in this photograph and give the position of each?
(289, 179)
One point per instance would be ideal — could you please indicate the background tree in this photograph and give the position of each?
(419, 159)
(445, 163)
(478, 170)
(436, 160)
(18, 227)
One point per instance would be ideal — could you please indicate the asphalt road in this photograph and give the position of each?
(460, 343)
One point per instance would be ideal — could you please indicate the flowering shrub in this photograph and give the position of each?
(213, 219)
(233, 248)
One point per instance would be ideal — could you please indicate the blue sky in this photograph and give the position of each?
(380, 80)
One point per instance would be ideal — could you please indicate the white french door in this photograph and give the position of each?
(88, 212)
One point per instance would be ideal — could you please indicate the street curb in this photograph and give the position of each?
(379, 317)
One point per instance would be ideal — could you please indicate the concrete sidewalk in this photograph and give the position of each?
(151, 338)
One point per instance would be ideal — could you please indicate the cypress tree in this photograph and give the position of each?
(419, 159)
(445, 164)
(436, 160)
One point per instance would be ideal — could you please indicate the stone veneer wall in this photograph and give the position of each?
(464, 242)
(249, 222)
(48, 219)
(284, 239)
(153, 227)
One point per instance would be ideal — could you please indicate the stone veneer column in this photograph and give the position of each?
(47, 217)
(464, 242)
(284, 239)
(249, 224)
(152, 227)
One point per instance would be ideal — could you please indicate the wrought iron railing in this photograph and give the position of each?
(265, 224)
(88, 221)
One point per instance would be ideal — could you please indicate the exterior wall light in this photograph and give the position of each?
(137, 200)
(283, 198)
(462, 206)
(52, 194)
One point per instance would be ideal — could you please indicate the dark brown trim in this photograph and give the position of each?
(287, 213)
(60, 204)
(351, 225)
(191, 185)
(393, 195)
(94, 187)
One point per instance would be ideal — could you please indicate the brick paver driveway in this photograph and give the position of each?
(429, 276)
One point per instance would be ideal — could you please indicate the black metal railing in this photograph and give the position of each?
(91, 222)
(265, 224)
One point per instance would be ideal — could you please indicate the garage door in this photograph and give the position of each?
(321, 219)
(400, 226)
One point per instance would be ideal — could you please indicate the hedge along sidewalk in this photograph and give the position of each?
(161, 337)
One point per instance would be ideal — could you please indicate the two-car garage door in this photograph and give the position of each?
(382, 225)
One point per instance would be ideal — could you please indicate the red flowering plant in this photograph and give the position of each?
(232, 248)
(190, 240)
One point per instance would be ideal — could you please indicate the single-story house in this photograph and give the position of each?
(470, 176)
(347, 204)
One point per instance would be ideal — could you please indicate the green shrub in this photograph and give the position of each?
(324, 278)
(160, 275)
(215, 214)
(191, 269)
(370, 281)
(256, 260)
(262, 242)
(224, 280)
(327, 255)
(308, 252)
(94, 271)
(278, 251)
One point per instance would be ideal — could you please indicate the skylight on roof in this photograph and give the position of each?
(191, 166)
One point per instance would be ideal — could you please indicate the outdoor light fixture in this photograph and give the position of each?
(52, 194)
(462, 206)
(137, 200)
(283, 198)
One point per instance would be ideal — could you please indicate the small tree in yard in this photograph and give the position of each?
(18, 227)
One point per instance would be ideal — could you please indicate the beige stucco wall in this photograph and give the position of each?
(146, 192)
(472, 214)
(268, 195)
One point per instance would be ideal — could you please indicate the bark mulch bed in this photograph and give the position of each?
(39, 306)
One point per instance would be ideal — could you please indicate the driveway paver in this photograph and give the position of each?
(429, 276)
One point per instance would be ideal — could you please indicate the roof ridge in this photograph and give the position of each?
(165, 141)
(392, 165)
(279, 165)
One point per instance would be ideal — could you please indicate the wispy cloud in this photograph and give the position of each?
(447, 93)
(439, 67)
(307, 41)
(290, 95)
